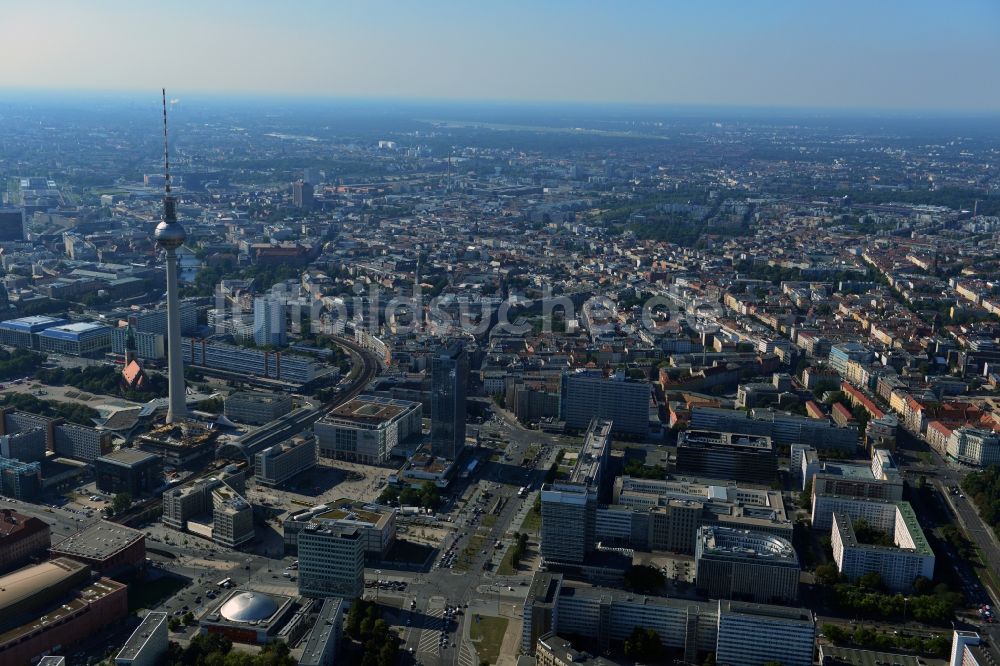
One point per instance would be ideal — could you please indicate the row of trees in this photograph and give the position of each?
(217, 650)
(553, 471)
(519, 548)
(643, 645)
(868, 598)
(427, 496)
(636, 468)
(866, 637)
(102, 379)
(984, 489)
(18, 363)
(264, 276)
(71, 411)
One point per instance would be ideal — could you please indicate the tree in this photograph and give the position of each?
(835, 633)
(643, 645)
(827, 575)
(805, 497)
(120, 502)
(870, 581)
(188, 618)
(174, 624)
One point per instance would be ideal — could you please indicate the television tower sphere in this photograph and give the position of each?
(169, 235)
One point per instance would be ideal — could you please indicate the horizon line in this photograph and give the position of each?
(136, 94)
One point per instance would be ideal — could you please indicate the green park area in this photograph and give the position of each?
(487, 634)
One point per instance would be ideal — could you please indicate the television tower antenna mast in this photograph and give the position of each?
(166, 152)
(170, 236)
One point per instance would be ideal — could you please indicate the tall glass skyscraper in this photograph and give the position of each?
(449, 387)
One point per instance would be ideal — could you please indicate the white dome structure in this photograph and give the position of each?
(249, 607)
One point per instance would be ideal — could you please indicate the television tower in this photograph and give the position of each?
(170, 236)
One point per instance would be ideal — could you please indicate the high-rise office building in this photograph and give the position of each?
(11, 224)
(747, 565)
(302, 194)
(331, 561)
(449, 386)
(569, 506)
(269, 321)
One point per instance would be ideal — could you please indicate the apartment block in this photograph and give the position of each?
(898, 565)
(586, 394)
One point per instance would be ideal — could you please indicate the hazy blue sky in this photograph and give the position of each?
(909, 54)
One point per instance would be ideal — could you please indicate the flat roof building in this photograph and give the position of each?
(586, 394)
(368, 428)
(376, 522)
(743, 634)
(324, 640)
(292, 369)
(449, 389)
(898, 565)
(755, 634)
(726, 455)
(52, 605)
(279, 463)
(554, 650)
(183, 503)
(746, 565)
(783, 428)
(23, 332)
(21, 538)
(108, 548)
(146, 644)
(569, 507)
(257, 408)
(232, 518)
(130, 471)
(331, 561)
(82, 338)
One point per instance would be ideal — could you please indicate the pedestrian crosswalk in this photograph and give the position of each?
(430, 624)
(466, 655)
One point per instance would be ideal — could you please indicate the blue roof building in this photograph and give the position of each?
(24, 332)
(82, 338)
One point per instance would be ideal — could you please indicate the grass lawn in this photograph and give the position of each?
(489, 521)
(506, 566)
(476, 543)
(532, 521)
(488, 634)
(148, 594)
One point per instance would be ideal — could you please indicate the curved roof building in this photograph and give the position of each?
(250, 616)
(248, 607)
